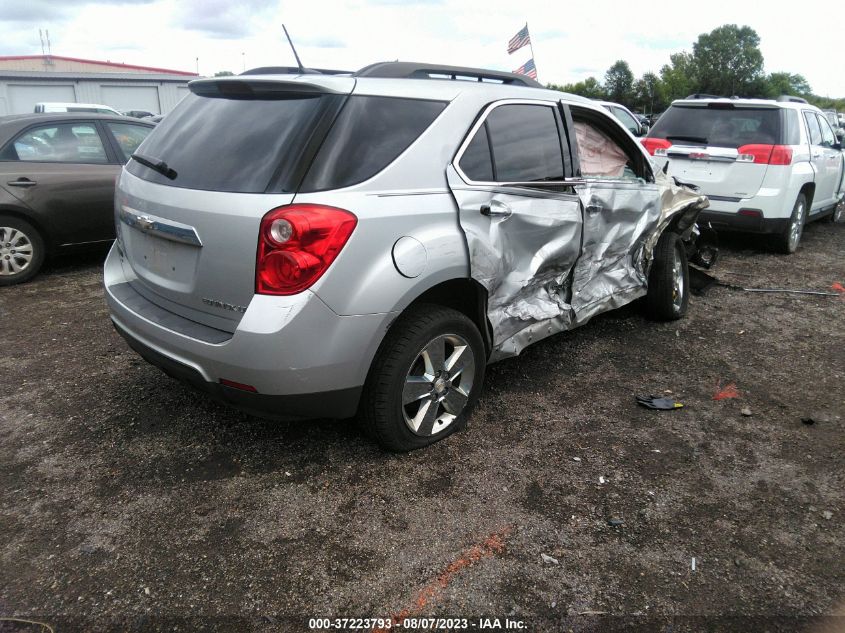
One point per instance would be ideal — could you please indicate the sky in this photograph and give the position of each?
(571, 40)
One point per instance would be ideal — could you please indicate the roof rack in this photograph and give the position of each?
(791, 99)
(292, 70)
(416, 70)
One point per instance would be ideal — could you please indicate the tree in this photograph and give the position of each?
(590, 88)
(728, 61)
(677, 78)
(619, 83)
(224, 73)
(647, 93)
(787, 84)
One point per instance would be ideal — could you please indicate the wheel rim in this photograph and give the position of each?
(837, 214)
(16, 251)
(678, 287)
(796, 227)
(438, 384)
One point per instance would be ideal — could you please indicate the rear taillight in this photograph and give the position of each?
(653, 144)
(765, 154)
(297, 244)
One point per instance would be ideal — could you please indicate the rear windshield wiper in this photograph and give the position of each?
(692, 139)
(155, 164)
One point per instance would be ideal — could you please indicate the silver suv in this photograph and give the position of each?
(767, 166)
(312, 245)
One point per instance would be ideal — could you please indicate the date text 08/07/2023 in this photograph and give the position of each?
(416, 624)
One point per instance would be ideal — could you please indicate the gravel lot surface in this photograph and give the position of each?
(131, 503)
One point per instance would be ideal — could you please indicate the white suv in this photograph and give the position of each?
(767, 166)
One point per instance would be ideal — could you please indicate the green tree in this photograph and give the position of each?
(677, 78)
(728, 61)
(787, 84)
(224, 73)
(589, 87)
(619, 83)
(647, 93)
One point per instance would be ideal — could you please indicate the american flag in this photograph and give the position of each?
(528, 69)
(519, 40)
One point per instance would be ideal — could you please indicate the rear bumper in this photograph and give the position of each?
(721, 220)
(302, 359)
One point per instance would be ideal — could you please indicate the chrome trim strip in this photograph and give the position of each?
(165, 229)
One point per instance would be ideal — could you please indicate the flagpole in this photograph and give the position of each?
(533, 58)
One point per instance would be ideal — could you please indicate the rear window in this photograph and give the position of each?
(246, 145)
(368, 135)
(719, 126)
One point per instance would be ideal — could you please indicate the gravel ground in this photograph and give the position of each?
(130, 503)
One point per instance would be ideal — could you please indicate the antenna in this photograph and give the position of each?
(49, 50)
(41, 37)
(298, 63)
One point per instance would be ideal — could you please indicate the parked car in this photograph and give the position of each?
(139, 114)
(156, 118)
(316, 246)
(767, 166)
(57, 174)
(631, 122)
(93, 108)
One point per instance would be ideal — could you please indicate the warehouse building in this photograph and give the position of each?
(29, 79)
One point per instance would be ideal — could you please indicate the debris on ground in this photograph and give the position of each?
(692, 565)
(827, 514)
(549, 560)
(661, 404)
(700, 282)
(746, 412)
(726, 392)
(816, 416)
(615, 522)
(838, 287)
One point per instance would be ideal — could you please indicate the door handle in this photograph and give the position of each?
(22, 182)
(496, 208)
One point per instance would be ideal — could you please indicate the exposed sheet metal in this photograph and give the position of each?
(550, 262)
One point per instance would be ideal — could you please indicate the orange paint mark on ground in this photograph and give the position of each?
(728, 391)
(492, 545)
(838, 287)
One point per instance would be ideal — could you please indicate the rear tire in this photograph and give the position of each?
(787, 242)
(425, 379)
(22, 251)
(668, 280)
(837, 215)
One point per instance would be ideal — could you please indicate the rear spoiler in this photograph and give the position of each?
(255, 87)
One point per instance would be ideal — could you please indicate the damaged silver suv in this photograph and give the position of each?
(328, 245)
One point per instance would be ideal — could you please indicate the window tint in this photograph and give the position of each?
(368, 135)
(237, 144)
(719, 127)
(526, 146)
(128, 136)
(62, 143)
(477, 163)
(813, 127)
(793, 134)
(828, 137)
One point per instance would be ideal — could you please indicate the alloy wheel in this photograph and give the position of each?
(678, 287)
(438, 384)
(796, 226)
(16, 251)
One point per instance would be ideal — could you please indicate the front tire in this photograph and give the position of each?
(425, 379)
(787, 242)
(668, 280)
(21, 251)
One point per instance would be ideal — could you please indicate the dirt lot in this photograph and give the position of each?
(131, 503)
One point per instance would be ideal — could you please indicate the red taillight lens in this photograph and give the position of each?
(653, 144)
(767, 154)
(297, 244)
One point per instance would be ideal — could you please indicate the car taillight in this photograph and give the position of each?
(653, 144)
(297, 244)
(765, 154)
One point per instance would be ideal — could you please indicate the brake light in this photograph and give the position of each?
(653, 144)
(765, 154)
(297, 244)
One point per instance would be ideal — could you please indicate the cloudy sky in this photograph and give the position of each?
(572, 40)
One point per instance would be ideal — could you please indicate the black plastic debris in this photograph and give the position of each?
(659, 403)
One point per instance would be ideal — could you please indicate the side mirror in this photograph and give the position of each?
(840, 134)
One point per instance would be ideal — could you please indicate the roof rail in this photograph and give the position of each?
(701, 95)
(791, 99)
(417, 70)
(292, 70)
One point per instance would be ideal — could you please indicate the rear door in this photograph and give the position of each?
(523, 237)
(830, 164)
(65, 173)
(621, 206)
